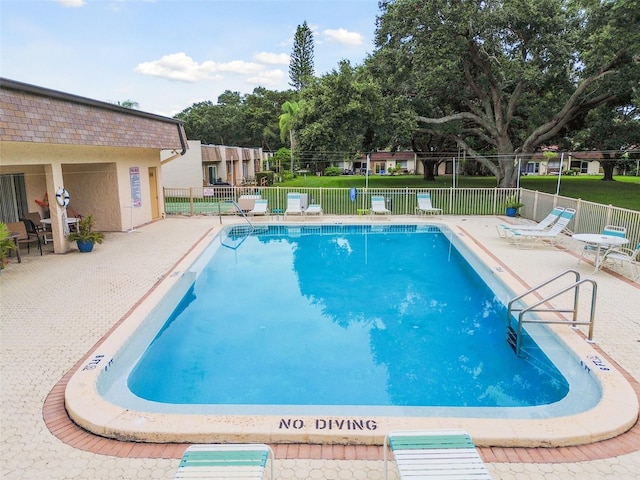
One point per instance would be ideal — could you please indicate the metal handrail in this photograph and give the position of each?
(244, 237)
(241, 212)
(533, 308)
(538, 287)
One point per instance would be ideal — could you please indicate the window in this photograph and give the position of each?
(581, 165)
(13, 197)
(212, 174)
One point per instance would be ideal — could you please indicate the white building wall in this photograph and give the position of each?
(184, 171)
(593, 168)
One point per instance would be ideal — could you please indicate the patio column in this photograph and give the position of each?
(53, 174)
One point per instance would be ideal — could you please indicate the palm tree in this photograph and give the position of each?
(289, 112)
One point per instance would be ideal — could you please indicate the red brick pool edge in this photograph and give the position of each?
(62, 427)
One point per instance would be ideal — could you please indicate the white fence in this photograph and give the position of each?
(590, 217)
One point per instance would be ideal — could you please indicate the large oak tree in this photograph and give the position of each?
(506, 76)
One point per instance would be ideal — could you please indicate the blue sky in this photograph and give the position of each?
(168, 54)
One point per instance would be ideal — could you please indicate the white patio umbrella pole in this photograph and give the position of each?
(559, 174)
(519, 170)
(366, 173)
(131, 229)
(454, 172)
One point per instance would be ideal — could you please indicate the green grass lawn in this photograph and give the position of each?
(624, 192)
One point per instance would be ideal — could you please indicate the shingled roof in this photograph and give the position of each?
(34, 114)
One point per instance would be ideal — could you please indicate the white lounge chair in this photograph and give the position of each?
(439, 454)
(314, 209)
(294, 205)
(225, 461)
(425, 206)
(378, 206)
(543, 224)
(260, 207)
(528, 238)
(624, 256)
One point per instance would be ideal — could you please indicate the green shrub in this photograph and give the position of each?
(85, 232)
(264, 179)
(332, 171)
(6, 244)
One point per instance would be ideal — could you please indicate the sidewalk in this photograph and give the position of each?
(54, 308)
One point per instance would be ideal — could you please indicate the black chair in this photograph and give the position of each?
(36, 219)
(33, 234)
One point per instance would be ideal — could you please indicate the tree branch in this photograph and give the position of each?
(570, 108)
(491, 166)
(513, 101)
(459, 116)
(494, 88)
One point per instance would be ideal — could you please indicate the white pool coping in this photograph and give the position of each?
(616, 412)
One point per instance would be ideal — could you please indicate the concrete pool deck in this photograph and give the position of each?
(55, 308)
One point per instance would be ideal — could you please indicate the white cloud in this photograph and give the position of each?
(269, 58)
(176, 66)
(269, 78)
(71, 3)
(344, 37)
(180, 66)
(235, 66)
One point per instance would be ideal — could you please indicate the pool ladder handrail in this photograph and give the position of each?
(251, 228)
(534, 307)
(244, 215)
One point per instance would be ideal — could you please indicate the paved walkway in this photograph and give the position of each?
(54, 308)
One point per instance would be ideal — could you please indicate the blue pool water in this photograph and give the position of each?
(340, 315)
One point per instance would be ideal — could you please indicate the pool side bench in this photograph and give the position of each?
(443, 454)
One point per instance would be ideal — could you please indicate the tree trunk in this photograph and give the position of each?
(607, 168)
(507, 166)
(291, 141)
(429, 168)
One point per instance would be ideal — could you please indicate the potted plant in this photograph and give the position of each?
(511, 205)
(6, 245)
(85, 236)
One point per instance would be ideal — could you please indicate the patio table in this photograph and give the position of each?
(600, 240)
(277, 212)
(46, 224)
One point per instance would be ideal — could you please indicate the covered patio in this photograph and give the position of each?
(65, 155)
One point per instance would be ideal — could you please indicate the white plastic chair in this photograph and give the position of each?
(225, 461)
(314, 209)
(624, 256)
(294, 205)
(378, 206)
(435, 454)
(260, 207)
(425, 206)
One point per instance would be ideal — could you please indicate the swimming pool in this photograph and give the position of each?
(340, 315)
(129, 416)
